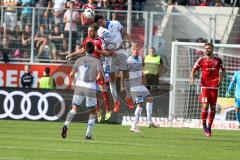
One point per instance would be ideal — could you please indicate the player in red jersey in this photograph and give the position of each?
(92, 37)
(210, 81)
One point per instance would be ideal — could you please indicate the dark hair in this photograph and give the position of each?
(97, 17)
(94, 27)
(47, 70)
(209, 44)
(89, 47)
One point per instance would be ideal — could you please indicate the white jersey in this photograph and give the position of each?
(135, 72)
(111, 35)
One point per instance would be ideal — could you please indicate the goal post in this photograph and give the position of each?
(184, 98)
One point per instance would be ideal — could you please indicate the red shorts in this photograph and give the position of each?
(209, 96)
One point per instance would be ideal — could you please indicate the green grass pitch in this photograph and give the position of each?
(34, 140)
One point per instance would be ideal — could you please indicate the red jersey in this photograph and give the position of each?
(210, 70)
(96, 42)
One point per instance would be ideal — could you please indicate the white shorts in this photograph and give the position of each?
(82, 90)
(119, 61)
(139, 93)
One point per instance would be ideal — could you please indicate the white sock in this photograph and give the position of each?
(127, 87)
(138, 112)
(113, 90)
(149, 112)
(91, 123)
(70, 116)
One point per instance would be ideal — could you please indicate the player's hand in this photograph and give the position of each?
(191, 82)
(227, 95)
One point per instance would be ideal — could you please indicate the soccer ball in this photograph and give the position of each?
(89, 13)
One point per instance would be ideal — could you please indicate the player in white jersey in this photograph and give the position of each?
(139, 92)
(89, 70)
(111, 32)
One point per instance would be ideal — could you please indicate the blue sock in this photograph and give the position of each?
(238, 116)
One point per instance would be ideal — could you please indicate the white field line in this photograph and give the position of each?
(94, 142)
(92, 152)
(85, 141)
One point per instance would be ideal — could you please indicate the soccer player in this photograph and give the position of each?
(89, 70)
(139, 92)
(235, 81)
(210, 81)
(112, 33)
(98, 52)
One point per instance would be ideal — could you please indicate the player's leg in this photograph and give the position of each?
(77, 100)
(127, 89)
(238, 110)
(91, 102)
(91, 122)
(205, 103)
(124, 66)
(137, 114)
(113, 89)
(105, 95)
(149, 110)
(98, 110)
(212, 101)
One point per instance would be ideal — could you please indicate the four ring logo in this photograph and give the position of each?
(25, 109)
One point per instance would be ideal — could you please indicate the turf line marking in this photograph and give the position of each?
(94, 141)
(77, 151)
(70, 150)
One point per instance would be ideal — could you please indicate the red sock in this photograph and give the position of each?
(211, 118)
(204, 116)
(106, 100)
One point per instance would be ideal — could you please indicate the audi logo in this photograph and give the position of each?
(26, 105)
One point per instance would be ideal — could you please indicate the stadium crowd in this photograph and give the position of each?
(51, 27)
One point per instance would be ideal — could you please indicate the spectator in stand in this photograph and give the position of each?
(58, 10)
(56, 37)
(152, 69)
(119, 5)
(219, 3)
(75, 19)
(47, 82)
(26, 15)
(106, 5)
(43, 15)
(6, 50)
(138, 5)
(10, 14)
(27, 78)
(63, 52)
(26, 41)
(78, 4)
(46, 49)
(16, 37)
(90, 4)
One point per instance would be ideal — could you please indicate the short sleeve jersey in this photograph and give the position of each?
(96, 42)
(111, 35)
(87, 67)
(210, 70)
(135, 72)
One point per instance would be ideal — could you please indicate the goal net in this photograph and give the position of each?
(184, 98)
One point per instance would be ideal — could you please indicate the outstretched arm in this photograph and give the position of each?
(78, 52)
(192, 76)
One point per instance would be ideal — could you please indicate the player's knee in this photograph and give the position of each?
(213, 107)
(125, 74)
(92, 110)
(74, 107)
(237, 109)
(149, 99)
